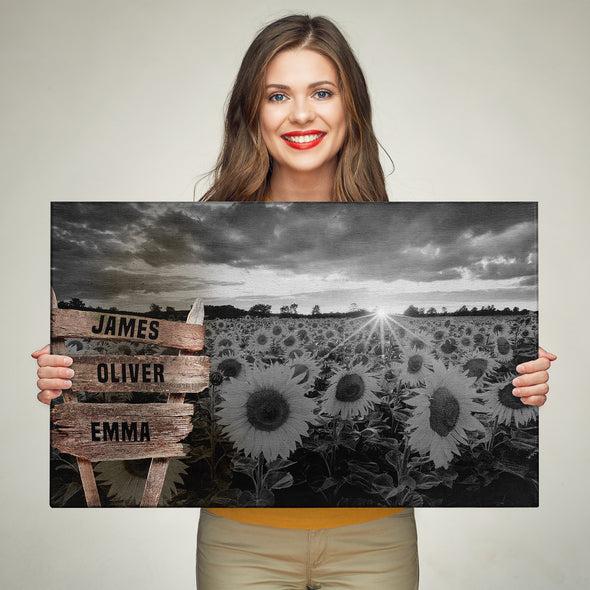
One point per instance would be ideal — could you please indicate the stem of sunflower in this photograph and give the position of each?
(258, 478)
(395, 396)
(405, 457)
(335, 442)
(490, 443)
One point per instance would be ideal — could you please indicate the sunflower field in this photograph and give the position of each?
(367, 411)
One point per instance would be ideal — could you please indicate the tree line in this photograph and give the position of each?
(417, 312)
(261, 310)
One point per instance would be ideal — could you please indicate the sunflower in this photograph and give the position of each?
(276, 330)
(289, 341)
(224, 341)
(295, 351)
(305, 368)
(360, 347)
(478, 364)
(267, 414)
(444, 414)
(260, 341)
(479, 339)
(415, 365)
(507, 407)
(465, 343)
(447, 348)
(419, 342)
(126, 480)
(351, 392)
(439, 335)
(503, 349)
(499, 328)
(230, 365)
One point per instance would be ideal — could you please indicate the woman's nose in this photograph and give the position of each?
(301, 113)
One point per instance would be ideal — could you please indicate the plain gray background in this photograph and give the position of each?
(110, 100)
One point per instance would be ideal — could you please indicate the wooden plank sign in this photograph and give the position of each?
(146, 373)
(107, 432)
(71, 323)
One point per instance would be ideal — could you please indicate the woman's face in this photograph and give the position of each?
(302, 116)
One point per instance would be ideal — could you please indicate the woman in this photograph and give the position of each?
(298, 128)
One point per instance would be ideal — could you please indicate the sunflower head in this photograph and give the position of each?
(507, 399)
(503, 345)
(289, 341)
(476, 367)
(268, 413)
(267, 409)
(449, 346)
(479, 339)
(506, 407)
(351, 392)
(350, 388)
(216, 378)
(230, 367)
(439, 334)
(417, 343)
(444, 411)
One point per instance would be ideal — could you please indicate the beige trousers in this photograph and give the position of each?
(378, 555)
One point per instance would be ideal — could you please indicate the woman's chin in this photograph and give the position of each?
(309, 165)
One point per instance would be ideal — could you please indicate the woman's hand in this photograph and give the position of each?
(53, 374)
(532, 386)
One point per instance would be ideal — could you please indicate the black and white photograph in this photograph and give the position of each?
(362, 354)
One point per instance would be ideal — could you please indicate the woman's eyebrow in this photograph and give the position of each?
(312, 85)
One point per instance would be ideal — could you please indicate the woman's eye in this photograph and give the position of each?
(277, 97)
(323, 93)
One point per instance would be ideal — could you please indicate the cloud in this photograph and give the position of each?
(419, 242)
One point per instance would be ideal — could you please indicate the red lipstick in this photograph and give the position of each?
(298, 144)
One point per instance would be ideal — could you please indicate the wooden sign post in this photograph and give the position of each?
(108, 432)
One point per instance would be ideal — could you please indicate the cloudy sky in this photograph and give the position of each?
(377, 255)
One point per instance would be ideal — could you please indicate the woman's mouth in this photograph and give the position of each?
(303, 140)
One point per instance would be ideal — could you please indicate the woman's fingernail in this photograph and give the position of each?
(516, 392)
(520, 368)
(68, 361)
(69, 372)
(516, 382)
(67, 384)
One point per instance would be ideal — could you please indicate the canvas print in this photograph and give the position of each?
(361, 354)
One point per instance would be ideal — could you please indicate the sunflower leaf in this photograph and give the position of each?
(285, 482)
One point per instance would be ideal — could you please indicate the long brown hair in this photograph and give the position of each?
(244, 166)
